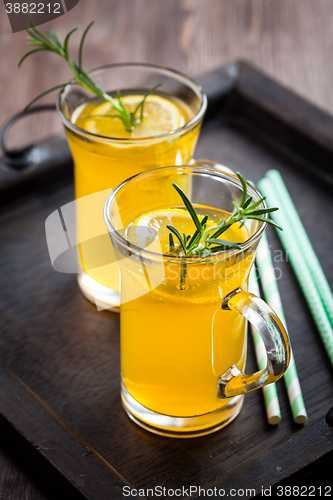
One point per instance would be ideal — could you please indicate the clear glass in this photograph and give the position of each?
(183, 332)
(101, 163)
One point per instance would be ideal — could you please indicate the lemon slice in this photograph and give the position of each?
(150, 229)
(160, 117)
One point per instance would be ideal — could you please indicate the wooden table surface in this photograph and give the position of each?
(291, 40)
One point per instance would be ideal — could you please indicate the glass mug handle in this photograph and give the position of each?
(233, 382)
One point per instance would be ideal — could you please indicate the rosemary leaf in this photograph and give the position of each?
(247, 203)
(178, 235)
(219, 248)
(171, 242)
(189, 207)
(82, 42)
(269, 221)
(223, 228)
(55, 38)
(28, 54)
(195, 235)
(67, 41)
(203, 242)
(183, 274)
(142, 103)
(244, 197)
(35, 33)
(194, 243)
(262, 211)
(230, 244)
(42, 94)
(256, 204)
(53, 44)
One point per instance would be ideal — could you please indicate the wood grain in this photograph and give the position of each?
(69, 467)
(290, 41)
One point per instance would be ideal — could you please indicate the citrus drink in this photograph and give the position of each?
(176, 340)
(112, 154)
(184, 308)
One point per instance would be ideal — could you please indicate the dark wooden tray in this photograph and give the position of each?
(65, 354)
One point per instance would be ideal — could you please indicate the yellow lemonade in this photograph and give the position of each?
(110, 155)
(175, 339)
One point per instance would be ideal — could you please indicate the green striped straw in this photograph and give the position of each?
(273, 299)
(304, 243)
(300, 266)
(269, 391)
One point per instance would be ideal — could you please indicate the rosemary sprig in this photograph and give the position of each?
(52, 44)
(206, 241)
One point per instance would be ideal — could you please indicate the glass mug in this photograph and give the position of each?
(101, 163)
(184, 340)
